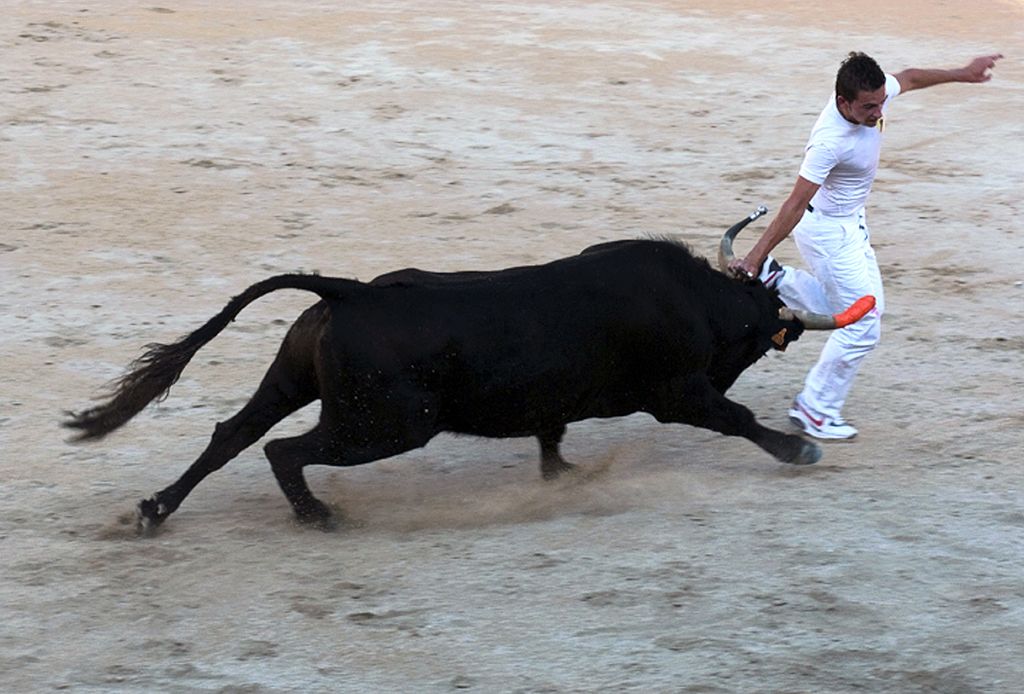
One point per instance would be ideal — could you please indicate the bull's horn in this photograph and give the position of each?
(819, 321)
(725, 254)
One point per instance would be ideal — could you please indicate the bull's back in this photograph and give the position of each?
(511, 352)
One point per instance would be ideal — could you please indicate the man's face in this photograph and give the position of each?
(866, 109)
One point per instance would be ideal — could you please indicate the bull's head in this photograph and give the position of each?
(809, 319)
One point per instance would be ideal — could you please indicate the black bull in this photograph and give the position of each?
(623, 327)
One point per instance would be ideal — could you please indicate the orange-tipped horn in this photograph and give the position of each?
(820, 321)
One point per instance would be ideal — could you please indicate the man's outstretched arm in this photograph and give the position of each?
(978, 70)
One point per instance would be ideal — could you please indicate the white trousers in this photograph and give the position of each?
(843, 269)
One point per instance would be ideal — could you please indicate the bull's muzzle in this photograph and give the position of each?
(811, 321)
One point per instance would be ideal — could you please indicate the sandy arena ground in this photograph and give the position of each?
(154, 161)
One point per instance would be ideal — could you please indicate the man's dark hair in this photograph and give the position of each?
(858, 73)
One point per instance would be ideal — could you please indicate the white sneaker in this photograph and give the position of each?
(820, 427)
(771, 273)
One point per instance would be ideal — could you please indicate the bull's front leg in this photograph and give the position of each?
(552, 464)
(693, 400)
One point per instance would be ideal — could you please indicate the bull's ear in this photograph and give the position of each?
(779, 339)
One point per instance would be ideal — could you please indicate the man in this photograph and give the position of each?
(825, 213)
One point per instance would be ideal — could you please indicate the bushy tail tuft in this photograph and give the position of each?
(151, 376)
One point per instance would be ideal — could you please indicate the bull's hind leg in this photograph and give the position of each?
(552, 464)
(287, 458)
(276, 398)
(339, 441)
(695, 401)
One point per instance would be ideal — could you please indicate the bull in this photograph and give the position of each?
(623, 327)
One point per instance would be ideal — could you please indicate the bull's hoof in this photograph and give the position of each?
(809, 454)
(552, 469)
(316, 516)
(149, 515)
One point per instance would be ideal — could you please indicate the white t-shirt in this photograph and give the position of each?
(843, 157)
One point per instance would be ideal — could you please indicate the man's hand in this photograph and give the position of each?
(979, 69)
(743, 269)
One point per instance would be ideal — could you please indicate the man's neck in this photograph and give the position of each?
(839, 107)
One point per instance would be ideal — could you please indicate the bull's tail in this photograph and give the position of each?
(151, 376)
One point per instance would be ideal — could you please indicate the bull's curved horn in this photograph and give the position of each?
(820, 321)
(725, 253)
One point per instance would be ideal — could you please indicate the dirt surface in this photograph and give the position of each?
(157, 160)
